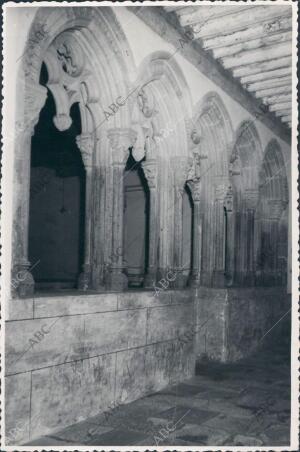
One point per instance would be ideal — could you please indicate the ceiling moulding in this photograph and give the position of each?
(168, 27)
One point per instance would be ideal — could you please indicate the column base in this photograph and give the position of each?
(194, 280)
(180, 280)
(22, 282)
(84, 281)
(218, 278)
(150, 280)
(116, 280)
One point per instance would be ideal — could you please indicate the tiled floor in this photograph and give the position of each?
(246, 404)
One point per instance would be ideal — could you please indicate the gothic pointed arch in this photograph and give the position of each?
(272, 234)
(83, 49)
(211, 139)
(244, 173)
(161, 111)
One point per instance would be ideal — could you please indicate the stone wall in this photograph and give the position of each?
(232, 322)
(71, 357)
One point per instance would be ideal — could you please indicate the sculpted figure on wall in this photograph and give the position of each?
(70, 55)
(235, 164)
(195, 170)
(145, 123)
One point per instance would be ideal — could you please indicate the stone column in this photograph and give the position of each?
(120, 141)
(229, 238)
(251, 200)
(86, 144)
(22, 280)
(271, 224)
(195, 277)
(181, 166)
(219, 227)
(150, 171)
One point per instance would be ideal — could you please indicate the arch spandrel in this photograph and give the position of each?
(97, 33)
(272, 176)
(160, 78)
(212, 123)
(246, 157)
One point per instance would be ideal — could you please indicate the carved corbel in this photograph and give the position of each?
(150, 171)
(86, 143)
(120, 141)
(35, 98)
(181, 167)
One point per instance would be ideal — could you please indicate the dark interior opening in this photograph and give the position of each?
(57, 197)
(136, 222)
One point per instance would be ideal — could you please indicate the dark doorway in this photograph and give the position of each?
(187, 232)
(136, 222)
(57, 193)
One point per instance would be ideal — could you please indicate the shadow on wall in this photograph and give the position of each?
(240, 321)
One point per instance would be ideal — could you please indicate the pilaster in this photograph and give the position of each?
(120, 141)
(35, 97)
(86, 144)
(150, 171)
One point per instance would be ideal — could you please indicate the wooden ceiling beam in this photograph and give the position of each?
(205, 13)
(266, 28)
(256, 56)
(260, 43)
(209, 27)
(266, 75)
(278, 90)
(269, 83)
(277, 99)
(255, 68)
(281, 106)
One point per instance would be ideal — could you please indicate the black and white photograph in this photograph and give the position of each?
(149, 226)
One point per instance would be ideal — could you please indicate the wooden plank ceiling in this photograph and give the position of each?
(253, 42)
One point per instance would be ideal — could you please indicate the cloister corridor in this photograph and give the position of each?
(148, 263)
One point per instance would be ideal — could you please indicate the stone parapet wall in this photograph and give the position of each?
(231, 323)
(69, 358)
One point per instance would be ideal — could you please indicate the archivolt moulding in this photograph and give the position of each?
(99, 40)
(160, 107)
(211, 126)
(245, 157)
(273, 182)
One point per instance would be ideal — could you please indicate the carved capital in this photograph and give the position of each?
(85, 143)
(35, 98)
(150, 171)
(251, 198)
(120, 141)
(276, 207)
(228, 201)
(195, 187)
(181, 167)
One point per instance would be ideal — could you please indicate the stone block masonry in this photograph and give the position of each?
(101, 350)
(236, 320)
